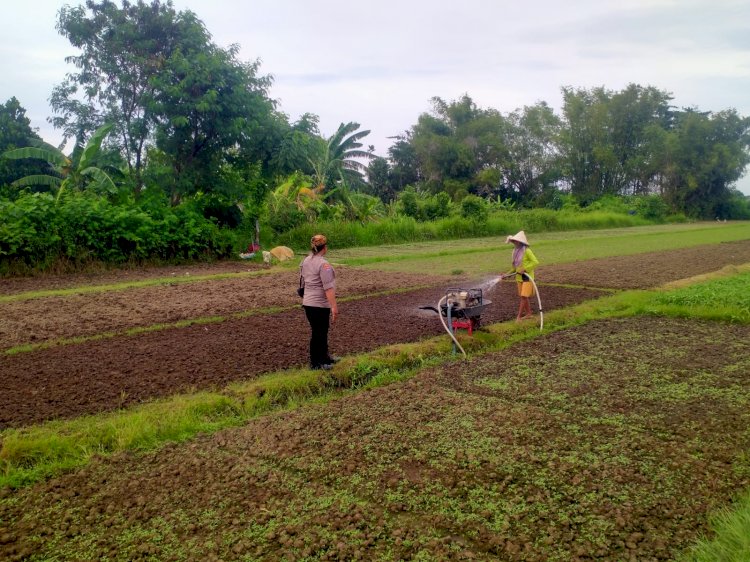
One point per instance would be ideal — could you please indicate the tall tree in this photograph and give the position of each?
(123, 50)
(207, 103)
(16, 132)
(404, 163)
(379, 180)
(706, 153)
(154, 72)
(609, 139)
(297, 147)
(532, 164)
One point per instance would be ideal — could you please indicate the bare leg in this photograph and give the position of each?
(526, 306)
(520, 310)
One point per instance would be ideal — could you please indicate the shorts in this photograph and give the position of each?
(525, 289)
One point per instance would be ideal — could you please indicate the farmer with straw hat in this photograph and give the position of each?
(524, 262)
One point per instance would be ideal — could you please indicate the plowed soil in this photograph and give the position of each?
(556, 449)
(120, 369)
(104, 374)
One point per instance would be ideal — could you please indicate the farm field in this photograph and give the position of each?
(593, 442)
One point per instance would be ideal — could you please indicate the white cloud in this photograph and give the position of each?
(380, 64)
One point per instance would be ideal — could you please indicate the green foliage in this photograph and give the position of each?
(736, 207)
(156, 74)
(651, 207)
(339, 157)
(474, 208)
(16, 132)
(732, 293)
(730, 541)
(706, 154)
(36, 232)
(423, 207)
(401, 229)
(77, 171)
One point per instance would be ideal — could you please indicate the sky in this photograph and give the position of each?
(379, 64)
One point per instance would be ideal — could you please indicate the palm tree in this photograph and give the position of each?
(74, 171)
(339, 156)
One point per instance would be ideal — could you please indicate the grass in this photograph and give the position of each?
(488, 255)
(731, 536)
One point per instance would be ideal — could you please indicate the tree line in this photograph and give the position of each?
(162, 117)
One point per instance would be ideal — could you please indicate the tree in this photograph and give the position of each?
(122, 51)
(340, 156)
(16, 132)
(610, 138)
(379, 180)
(77, 171)
(206, 104)
(532, 160)
(706, 153)
(404, 163)
(155, 73)
(298, 146)
(457, 143)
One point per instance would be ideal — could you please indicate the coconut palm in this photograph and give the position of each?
(339, 156)
(74, 171)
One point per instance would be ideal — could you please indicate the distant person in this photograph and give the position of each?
(524, 261)
(318, 280)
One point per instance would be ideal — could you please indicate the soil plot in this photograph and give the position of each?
(557, 448)
(106, 374)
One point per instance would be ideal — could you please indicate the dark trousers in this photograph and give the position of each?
(319, 319)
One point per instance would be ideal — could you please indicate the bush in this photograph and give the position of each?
(651, 207)
(474, 208)
(423, 207)
(37, 232)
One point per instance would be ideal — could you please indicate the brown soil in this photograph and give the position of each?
(41, 319)
(582, 460)
(97, 375)
(643, 271)
(106, 374)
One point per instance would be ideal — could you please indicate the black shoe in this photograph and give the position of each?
(323, 367)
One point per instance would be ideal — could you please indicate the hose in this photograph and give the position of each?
(445, 325)
(536, 291)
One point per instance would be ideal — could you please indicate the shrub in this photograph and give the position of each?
(474, 208)
(36, 232)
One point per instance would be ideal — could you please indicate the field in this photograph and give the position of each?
(609, 437)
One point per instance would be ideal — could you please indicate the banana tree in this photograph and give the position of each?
(76, 171)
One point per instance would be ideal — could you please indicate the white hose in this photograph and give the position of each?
(445, 325)
(538, 298)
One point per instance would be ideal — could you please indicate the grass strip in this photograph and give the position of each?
(572, 246)
(29, 347)
(731, 535)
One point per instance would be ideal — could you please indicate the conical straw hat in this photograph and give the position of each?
(520, 237)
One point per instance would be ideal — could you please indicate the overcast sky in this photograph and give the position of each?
(380, 63)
